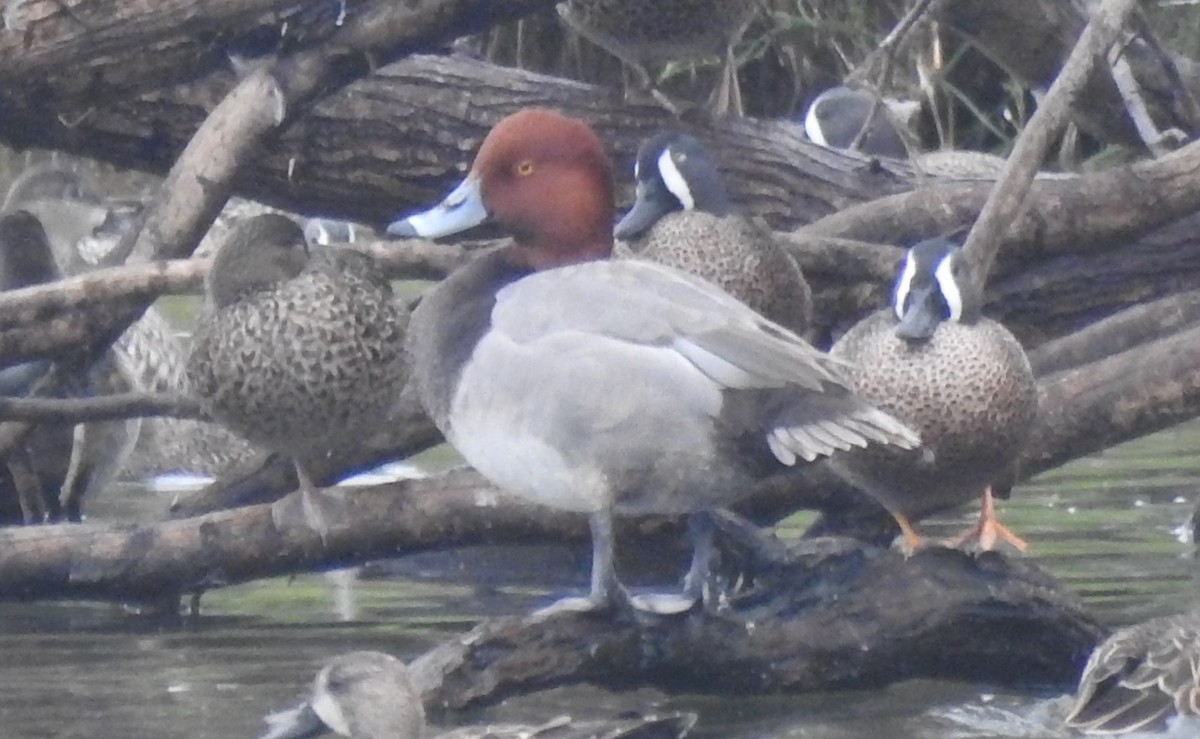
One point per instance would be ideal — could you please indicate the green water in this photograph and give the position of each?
(1111, 526)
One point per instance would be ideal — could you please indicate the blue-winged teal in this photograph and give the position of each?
(599, 385)
(683, 218)
(962, 380)
(640, 33)
(1141, 676)
(846, 118)
(299, 350)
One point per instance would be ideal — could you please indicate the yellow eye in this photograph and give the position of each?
(525, 168)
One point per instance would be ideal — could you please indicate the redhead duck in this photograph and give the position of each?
(639, 33)
(599, 385)
(1140, 676)
(962, 380)
(682, 218)
(296, 346)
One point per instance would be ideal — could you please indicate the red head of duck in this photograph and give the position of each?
(545, 179)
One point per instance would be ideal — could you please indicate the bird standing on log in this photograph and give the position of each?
(602, 386)
(299, 349)
(962, 380)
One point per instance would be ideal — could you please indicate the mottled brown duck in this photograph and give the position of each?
(962, 380)
(299, 349)
(683, 218)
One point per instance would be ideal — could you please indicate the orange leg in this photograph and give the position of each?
(912, 540)
(988, 529)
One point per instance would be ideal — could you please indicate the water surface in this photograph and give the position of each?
(1112, 526)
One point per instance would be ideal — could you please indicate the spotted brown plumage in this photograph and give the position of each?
(682, 218)
(301, 352)
(962, 380)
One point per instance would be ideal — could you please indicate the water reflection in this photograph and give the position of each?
(1112, 526)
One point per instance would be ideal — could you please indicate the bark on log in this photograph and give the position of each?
(850, 619)
(1159, 319)
(893, 617)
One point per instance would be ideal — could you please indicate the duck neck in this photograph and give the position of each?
(539, 256)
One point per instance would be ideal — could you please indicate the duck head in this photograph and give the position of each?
(936, 284)
(673, 172)
(841, 116)
(258, 253)
(70, 211)
(544, 178)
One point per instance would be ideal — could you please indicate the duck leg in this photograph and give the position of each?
(700, 529)
(912, 540)
(606, 589)
(988, 529)
(29, 489)
(307, 506)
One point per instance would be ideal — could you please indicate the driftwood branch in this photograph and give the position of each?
(102, 408)
(1141, 390)
(777, 611)
(1158, 319)
(846, 619)
(1008, 199)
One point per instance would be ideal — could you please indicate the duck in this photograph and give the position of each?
(373, 695)
(961, 380)
(296, 345)
(609, 386)
(849, 118)
(361, 695)
(95, 452)
(1140, 676)
(641, 33)
(682, 217)
(82, 229)
(25, 260)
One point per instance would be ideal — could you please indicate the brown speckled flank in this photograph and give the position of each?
(736, 255)
(300, 354)
(968, 391)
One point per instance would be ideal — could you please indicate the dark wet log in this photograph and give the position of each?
(1125, 330)
(64, 58)
(1144, 389)
(892, 617)
(854, 618)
